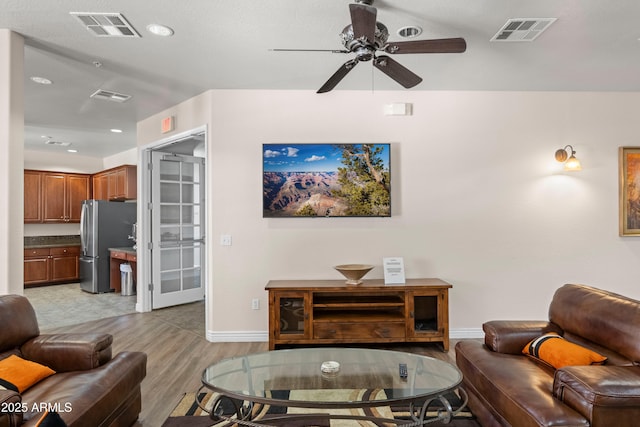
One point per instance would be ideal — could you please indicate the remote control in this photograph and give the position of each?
(403, 371)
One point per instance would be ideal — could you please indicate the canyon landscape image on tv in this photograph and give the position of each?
(326, 180)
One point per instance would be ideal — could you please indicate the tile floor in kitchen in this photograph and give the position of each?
(63, 305)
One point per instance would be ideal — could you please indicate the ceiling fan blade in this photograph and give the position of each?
(310, 50)
(455, 45)
(396, 71)
(363, 21)
(338, 76)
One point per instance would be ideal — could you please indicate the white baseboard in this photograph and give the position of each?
(238, 336)
(466, 333)
(263, 336)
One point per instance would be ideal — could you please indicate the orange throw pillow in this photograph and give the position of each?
(558, 352)
(19, 374)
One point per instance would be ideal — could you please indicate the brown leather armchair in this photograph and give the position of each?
(89, 388)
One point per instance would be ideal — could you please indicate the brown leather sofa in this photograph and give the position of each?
(507, 388)
(89, 388)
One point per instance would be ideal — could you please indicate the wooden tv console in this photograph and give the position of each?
(331, 312)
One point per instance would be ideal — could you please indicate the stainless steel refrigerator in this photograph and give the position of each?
(103, 225)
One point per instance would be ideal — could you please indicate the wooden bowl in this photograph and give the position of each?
(354, 272)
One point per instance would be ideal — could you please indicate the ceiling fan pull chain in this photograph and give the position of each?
(372, 79)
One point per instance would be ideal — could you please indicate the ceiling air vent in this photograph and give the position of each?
(106, 24)
(522, 29)
(58, 143)
(110, 96)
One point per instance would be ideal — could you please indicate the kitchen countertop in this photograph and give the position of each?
(34, 242)
(128, 250)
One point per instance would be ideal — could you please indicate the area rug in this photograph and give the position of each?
(188, 413)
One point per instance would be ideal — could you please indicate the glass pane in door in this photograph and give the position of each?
(291, 315)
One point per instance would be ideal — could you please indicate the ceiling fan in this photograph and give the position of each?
(365, 36)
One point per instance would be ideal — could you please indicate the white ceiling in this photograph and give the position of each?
(225, 44)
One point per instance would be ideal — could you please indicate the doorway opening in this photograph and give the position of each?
(172, 212)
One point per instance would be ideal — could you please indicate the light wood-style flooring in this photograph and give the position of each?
(178, 355)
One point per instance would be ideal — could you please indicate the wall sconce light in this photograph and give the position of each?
(570, 161)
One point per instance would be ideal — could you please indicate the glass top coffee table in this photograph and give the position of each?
(331, 378)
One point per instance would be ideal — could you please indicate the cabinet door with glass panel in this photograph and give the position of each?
(290, 320)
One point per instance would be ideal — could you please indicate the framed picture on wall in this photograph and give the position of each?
(326, 180)
(629, 169)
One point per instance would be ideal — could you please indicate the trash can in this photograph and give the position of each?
(126, 279)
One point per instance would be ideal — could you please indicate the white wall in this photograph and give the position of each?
(478, 199)
(129, 157)
(61, 162)
(11, 152)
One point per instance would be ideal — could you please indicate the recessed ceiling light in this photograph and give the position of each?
(72, 151)
(116, 130)
(160, 30)
(41, 80)
(410, 31)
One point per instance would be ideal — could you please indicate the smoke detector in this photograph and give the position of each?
(522, 29)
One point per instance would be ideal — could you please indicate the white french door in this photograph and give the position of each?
(177, 232)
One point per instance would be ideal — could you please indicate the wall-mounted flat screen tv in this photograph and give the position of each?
(326, 180)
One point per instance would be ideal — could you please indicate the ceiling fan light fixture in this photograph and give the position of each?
(409, 31)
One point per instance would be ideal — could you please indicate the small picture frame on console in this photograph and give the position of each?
(629, 169)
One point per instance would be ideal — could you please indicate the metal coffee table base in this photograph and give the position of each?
(245, 409)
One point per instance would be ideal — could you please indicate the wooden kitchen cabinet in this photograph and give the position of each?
(51, 265)
(36, 266)
(63, 194)
(100, 186)
(310, 312)
(32, 197)
(118, 183)
(64, 263)
(54, 197)
(78, 189)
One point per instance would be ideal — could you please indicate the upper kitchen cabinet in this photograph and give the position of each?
(62, 196)
(54, 197)
(116, 184)
(32, 197)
